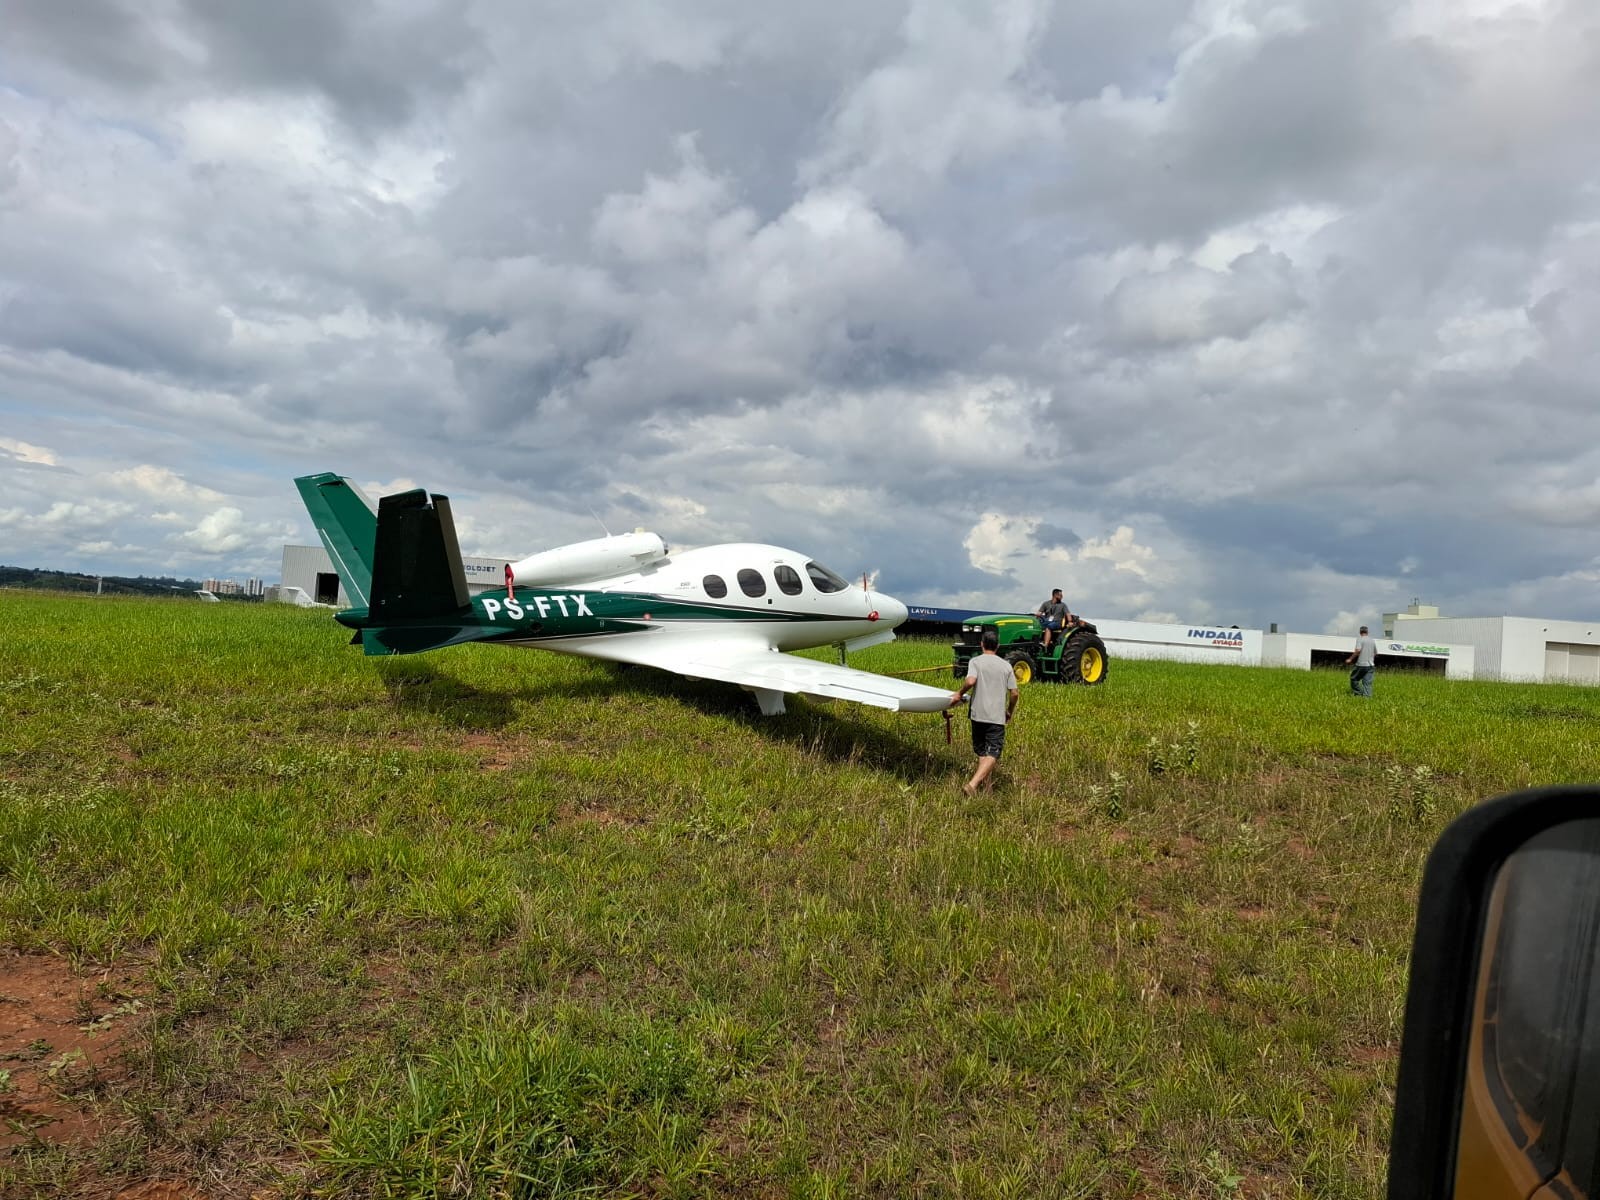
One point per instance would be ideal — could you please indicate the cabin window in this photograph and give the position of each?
(788, 580)
(751, 583)
(823, 579)
(714, 586)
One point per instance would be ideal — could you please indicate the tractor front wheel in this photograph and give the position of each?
(1023, 667)
(1084, 660)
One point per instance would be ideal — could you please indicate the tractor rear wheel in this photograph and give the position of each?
(1084, 659)
(1023, 667)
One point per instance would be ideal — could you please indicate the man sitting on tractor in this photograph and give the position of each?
(1053, 615)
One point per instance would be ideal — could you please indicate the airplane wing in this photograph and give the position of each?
(765, 670)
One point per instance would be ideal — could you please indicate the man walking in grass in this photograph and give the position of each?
(994, 699)
(1365, 657)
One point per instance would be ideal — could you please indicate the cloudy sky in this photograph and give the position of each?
(1205, 310)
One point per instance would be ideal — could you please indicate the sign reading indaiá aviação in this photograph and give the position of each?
(1182, 643)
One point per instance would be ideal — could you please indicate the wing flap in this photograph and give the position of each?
(761, 668)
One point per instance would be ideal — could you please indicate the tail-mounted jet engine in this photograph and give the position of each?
(601, 558)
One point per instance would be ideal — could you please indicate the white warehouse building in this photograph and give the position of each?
(311, 570)
(1231, 646)
(1307, 650)
(1525, 649)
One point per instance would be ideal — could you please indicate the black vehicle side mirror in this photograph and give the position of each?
(1499, 1084)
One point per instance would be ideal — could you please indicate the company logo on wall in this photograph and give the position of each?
(1218, 639)
(1414, 648)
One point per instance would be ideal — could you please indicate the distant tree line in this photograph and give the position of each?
(69, 581)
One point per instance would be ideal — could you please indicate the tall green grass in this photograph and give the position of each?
(496, 923)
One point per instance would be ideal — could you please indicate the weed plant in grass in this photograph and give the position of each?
(493, 923)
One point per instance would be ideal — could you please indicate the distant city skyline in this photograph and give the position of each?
(232, 587)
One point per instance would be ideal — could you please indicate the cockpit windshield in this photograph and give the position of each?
(823, 579)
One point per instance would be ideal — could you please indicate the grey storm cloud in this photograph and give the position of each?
(1199, 308)
(375, 63)
(1056, 537)
(1188, 303)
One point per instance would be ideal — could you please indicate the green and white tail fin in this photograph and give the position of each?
(399, 563)
(348, 527)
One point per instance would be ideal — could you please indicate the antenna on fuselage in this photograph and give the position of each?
(868, 578)
(599, 522)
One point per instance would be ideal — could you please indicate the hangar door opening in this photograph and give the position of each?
(327, 587)
(1406, 662)
(1574, 662)
(1386, 662)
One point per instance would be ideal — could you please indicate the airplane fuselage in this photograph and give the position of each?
(766, 593)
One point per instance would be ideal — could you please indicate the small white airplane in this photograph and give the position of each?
(725, 613)
(300, 598)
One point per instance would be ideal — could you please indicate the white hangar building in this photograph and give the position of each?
(1307, 650)
(311, 570)
(1520, 649)
(1231, 646)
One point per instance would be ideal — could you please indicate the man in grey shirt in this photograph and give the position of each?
(1053, 615)
(1365, 657)
(994, 699)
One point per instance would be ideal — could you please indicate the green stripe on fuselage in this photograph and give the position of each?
(540, 614)
(561, 613)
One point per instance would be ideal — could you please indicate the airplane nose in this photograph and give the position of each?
(890, 611)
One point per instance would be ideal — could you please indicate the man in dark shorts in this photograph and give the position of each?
(994, 699)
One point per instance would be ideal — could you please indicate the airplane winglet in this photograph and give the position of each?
(347, 526)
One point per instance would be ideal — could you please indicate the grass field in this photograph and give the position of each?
(496, 923)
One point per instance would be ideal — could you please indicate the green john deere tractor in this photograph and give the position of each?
(1076, 654)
